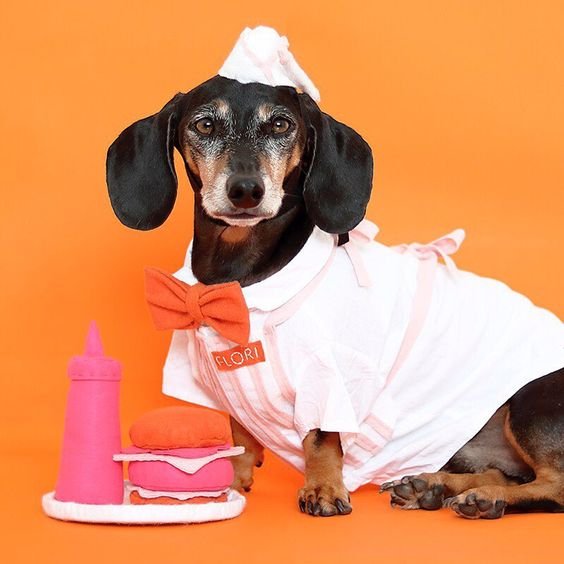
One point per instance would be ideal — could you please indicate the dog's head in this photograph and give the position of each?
(251, 152)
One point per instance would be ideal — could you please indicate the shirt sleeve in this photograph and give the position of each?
(181, 374)
(322, 400)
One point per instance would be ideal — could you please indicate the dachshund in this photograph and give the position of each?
(266, 166)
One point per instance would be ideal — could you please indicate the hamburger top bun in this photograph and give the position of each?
(180, 427)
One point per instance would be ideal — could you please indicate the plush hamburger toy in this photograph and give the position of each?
(179, 455)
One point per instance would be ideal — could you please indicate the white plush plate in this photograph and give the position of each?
(128, 514)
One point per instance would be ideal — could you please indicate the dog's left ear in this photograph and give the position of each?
(339, 179)
(140, 169)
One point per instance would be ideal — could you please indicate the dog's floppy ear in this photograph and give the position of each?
(339, 179)
(140, 169)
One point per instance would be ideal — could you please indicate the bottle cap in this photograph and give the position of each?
(93, 364)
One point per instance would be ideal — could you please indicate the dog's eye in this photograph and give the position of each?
(204, 126)
(280, 125)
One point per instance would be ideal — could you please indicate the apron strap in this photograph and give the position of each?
(428, 256)
(364, 232)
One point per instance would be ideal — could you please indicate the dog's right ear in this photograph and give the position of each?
(339, 178)
(140, 171)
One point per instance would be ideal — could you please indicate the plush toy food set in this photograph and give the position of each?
(179, 463)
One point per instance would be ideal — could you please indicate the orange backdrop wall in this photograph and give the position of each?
(462, 103)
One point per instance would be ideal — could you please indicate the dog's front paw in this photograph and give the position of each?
(243, 466)
(324, 500)
(414, 492)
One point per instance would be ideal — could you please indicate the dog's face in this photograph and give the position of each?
(240, 143)
(251, 151)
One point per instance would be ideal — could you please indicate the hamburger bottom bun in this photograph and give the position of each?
(155, 475)
(135, 498)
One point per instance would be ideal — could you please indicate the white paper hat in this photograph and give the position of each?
(262, 55)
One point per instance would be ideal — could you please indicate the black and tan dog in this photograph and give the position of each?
(266, 166)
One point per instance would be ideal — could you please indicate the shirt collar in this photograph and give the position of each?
(282, 286)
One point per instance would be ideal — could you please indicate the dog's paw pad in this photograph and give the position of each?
(414, 492)
(473, 505)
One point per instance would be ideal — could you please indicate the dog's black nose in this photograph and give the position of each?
(245, 191)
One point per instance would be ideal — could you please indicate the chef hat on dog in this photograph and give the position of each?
(262, 55)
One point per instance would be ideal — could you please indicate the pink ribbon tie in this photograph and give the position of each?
(364, 231)
(440, 248)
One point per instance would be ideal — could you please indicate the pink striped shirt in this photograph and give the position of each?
(405, 357)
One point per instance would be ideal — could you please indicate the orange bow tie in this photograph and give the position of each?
(177, 305)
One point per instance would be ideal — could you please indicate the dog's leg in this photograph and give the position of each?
(535, 427)
(485, 460)
(544, 493)
(428, 491)
(244, 463)
(324, 492)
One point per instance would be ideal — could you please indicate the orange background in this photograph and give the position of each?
(462, 103)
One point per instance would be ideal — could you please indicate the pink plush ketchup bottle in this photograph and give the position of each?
(88, 474)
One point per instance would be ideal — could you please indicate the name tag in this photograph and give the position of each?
(242, 355)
